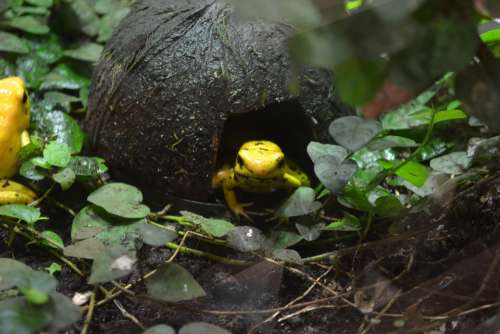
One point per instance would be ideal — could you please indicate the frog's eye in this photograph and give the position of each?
(239, 160)
(25, 97)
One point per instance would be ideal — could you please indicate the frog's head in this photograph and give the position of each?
(260, 159)
(15, 102)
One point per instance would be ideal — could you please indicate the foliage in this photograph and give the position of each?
(36, 299)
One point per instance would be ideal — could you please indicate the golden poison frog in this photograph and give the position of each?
(260, 166)
(14, 123)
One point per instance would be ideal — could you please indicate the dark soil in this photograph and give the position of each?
(440, 273)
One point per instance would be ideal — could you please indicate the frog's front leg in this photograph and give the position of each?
(232, 201)
(225, 178)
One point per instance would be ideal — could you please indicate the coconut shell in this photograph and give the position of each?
(182, 83)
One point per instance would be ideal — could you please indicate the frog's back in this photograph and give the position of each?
(13, 120)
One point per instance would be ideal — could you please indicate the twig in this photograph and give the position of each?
(128, 315)
(90, 312)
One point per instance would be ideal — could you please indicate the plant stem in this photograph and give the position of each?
(225, 260)
(90, 312)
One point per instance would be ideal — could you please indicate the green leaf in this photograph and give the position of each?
(82, 16)
(61, 126)
(61, 99)
(433, 148)
(64, 77)
(217, 227)
(357, 81)
(92, 221)
(41, 162)
(387, 206)
(26, 213)
(413, 172)
(29, 24)
(288, 255)
(34, 148)
(121, 200)
(347, 223)
(12, 43)
(353, 132)
(30, 171)
(308, 229)
(86, 249)
(333, 173)
(57, 154)
(32, 69)
(87, 52)
(317, 150)
(55, 240)
(366, 158)
(354, 197)
(281, 239)
(49, 49)
(88, 166)
(159, 329)
(155, 236)
(113, 263)
(173, 283)
(34, 296)
(391, 141)
(63, 312)
(14, 273)
(19, 317)
(351, 5)
(301, 202)
(449, 115)
(41, 3)
(300, 13)
(245, 238)
(65, 177)
(53, 268)
(202, 327)
(452, 163)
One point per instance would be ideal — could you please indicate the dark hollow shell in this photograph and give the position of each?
(172, 75)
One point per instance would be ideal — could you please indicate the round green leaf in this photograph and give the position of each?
(57, 154)
(202, 327)
(353, 132)
(333, 173)
(159, 329)
(12, 43)
(301, 202)
(173, 283)
(121, 200)
(317, 150)
(65, 178)
(29, 24)
(34, 296)
(30, 171)
(155, 236)
(452, 163)
(25, 213)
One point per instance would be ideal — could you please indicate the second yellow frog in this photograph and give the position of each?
(14, 123)
(260, 166)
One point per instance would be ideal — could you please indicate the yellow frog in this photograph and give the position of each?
(14, 123)
(260, 166)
